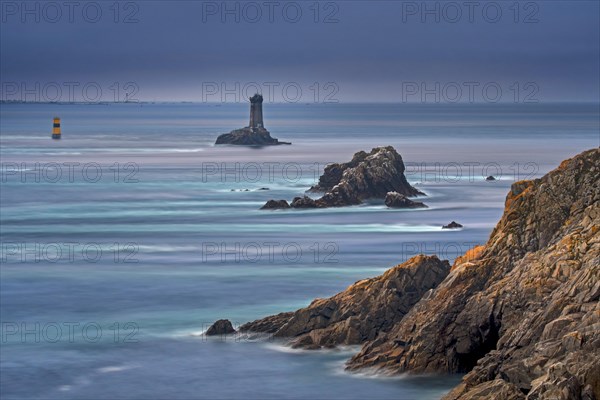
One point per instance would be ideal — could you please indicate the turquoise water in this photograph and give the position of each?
(166, 236)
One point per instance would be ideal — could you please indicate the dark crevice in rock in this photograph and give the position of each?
(489, 334)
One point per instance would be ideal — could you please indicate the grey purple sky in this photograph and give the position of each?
(372, 51)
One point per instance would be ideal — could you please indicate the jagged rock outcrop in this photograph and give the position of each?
(521, 313)
(332, 175)
(362, 311)
(367, 176)
(397, 200)
(220, 327)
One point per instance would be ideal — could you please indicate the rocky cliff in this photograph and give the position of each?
(367, 176)
(362, 311)
(521, 313)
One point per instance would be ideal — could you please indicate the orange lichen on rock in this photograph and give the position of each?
(470, 256)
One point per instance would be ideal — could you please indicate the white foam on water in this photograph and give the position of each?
(6, 170)
(81, 381)
(184, 150)
(284, 348)
(63, 153)
(114, 368)
(367, 373)
(166, 249)
(194, 333)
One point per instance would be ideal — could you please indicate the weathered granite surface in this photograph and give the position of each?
(362, 311)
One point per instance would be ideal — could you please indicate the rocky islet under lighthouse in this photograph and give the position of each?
(255, 133)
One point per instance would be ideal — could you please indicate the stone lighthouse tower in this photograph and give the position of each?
(254, 134)
(256, 115)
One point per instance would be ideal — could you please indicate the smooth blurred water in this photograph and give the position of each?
(164, 199)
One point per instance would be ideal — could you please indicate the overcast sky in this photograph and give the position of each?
(353, 50)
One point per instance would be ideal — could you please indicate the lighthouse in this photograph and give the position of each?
(56, 128)
(255, 134)
(256, 114)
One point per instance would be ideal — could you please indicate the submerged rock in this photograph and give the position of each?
(275, 205)
(397, 200)
(220, 327)
(452, 225)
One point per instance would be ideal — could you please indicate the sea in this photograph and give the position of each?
(124, 240)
